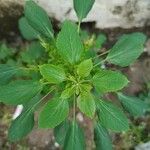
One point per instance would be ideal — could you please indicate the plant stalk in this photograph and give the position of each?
(79, 24)
(99, 63)
(74, 108)
(104, 53)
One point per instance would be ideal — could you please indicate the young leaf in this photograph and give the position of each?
(84, 68)
(127, 49)
(109, 81)
(133, 105)
(38, 19)
(111, 117)
(54, 112)
(82, 8)
(26, 30)
(102, 138)
(67, 93)
(23, 124)
(69, 43)
(19, 92)
(61, 131)
(75, 138)
(52, 73)
(7, 72)
(86, 104)
(85, 87)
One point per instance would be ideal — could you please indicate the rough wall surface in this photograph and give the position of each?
(105, 13)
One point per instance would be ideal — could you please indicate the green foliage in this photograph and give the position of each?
(109, 81)
(127, 49)
(74, 138)
(60, 132)
(101, 39)
(26, 30)
(33, 54)
(6, 54)
(133, 105)
(52, 73)
(111, 117)
(102, 138)
(86, 104)
(82, 8)
(145, 96)
(69, 43)
(67, 93)
(38, 19)
(24, 124)
(19, 92)
(66, 71)
(84, 68)
(21, 126)
(7, 72)
(53, 113)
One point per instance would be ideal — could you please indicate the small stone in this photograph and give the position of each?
(145, 146)
(80, 117)
(56, 145)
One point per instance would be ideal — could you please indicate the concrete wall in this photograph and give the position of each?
(106, 13)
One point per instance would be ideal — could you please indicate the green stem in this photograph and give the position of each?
(99, 63)
(79, 24)
(34, 68)
(85, 81)
(101, 54)
(36, 104)
(74, 108)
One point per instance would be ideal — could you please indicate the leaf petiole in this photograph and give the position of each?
(79, 24)
(99, 63)
(74, 108)
(104, 53)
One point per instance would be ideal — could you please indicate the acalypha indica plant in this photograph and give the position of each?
(71, 78)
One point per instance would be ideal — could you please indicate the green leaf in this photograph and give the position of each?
(127, 49)
(85, 87)
(23, 124)
(133, 105)
(112, 117)
(84, 68)
(67, 93)
(101, 39)
(34, 52)
(19, 92)
(102, 138)
(82, 8)
(38, 19)
(52, 73)
(86, 104)
(84, 35)
(54, 112)
(7, 72)
(69, 43)
(109, 81)
(75, 138)
(5, 51)
(61, 131)
(26, 30)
